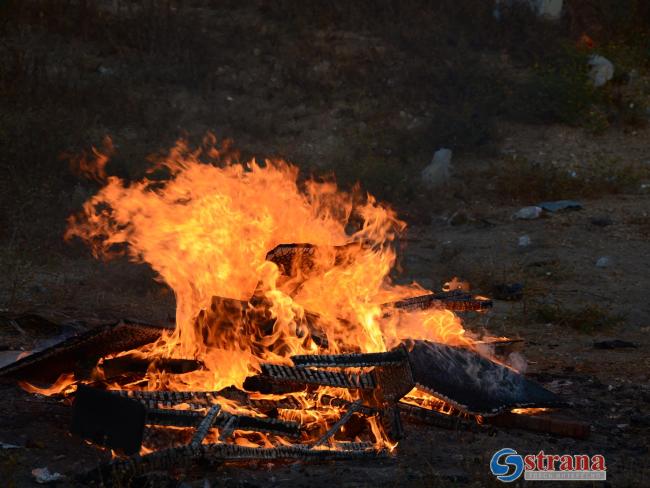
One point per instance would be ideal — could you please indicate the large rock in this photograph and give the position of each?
(436, 174)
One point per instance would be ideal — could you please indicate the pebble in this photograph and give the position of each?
(524, 241)
(603, 262)
(528, 213)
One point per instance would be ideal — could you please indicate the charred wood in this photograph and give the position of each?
(120, 471)
(67, 356)
(395, 356)
(319, 377)
(339, 423)
(472, 383)
(548, 423)
(131, 364)
(457, 301)
(413, 413)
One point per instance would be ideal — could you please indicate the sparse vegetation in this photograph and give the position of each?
(400, 79)
(587, 319)
(518, 180)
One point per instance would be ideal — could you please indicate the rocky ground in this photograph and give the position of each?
(342, 100)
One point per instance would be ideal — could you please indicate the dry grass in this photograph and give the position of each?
(587, 319)
(521, 181)
(404, 77)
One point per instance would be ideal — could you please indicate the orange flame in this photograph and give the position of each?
(205, 222)
(206, 229)
(64, 384)
(93, 166)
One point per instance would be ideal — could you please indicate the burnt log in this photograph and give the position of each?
(134, 364)
(268, 385)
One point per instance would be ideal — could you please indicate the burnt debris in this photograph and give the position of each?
(80, 353)
(473, 383)
(466, 390)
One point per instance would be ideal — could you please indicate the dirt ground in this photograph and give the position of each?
(272, 106)
(569, 303)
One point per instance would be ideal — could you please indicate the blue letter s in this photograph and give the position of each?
(510, 458)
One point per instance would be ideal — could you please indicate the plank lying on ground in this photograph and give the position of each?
(67, 356)
(471, 382)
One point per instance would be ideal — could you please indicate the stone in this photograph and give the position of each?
(550, 9)
(528, 213)
(602, 70)
(603, 262)
(523, 241)
(436, 174)
(44, 476)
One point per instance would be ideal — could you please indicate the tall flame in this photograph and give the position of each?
(206, 225)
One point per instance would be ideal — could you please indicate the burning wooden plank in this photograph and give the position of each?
(118, 422)
(121, 470)
(396, 356)
(169, 396)
(338, 379)
(456, 300)
(352, 409)
(173, 418)
(133, 364)
(431, 417)
(193, 418)
(291, 258)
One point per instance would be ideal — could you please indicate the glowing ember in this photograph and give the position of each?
(529, 411)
